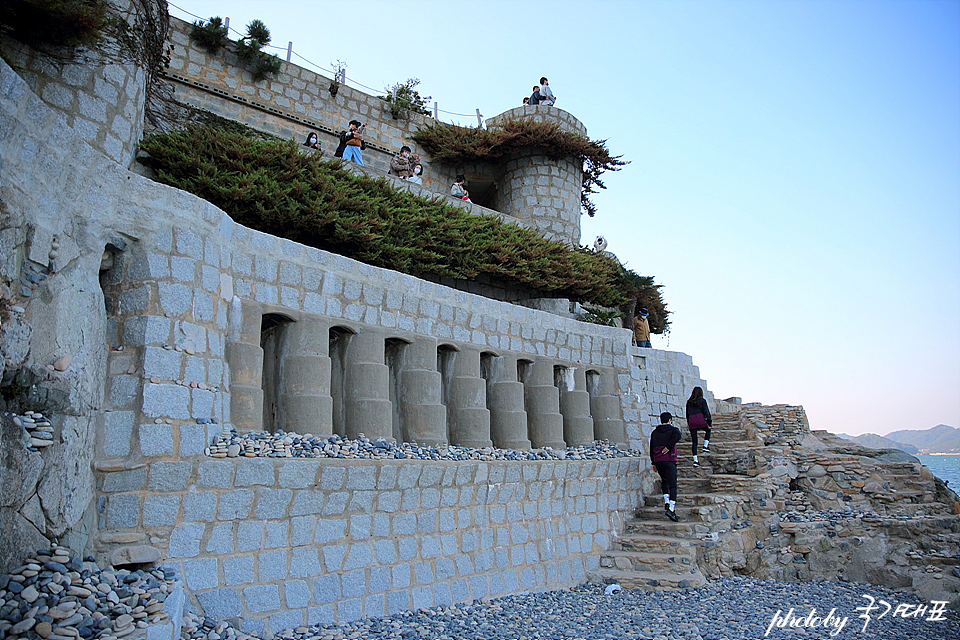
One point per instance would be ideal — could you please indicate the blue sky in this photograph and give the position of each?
(795, 168)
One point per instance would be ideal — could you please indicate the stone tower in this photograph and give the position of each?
(540, 192)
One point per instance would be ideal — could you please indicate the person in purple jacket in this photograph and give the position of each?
(663, 454)
(698, 419)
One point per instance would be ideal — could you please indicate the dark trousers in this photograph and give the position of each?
(693, 437)
(668, 478)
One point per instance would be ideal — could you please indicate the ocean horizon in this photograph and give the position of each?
(944, 466)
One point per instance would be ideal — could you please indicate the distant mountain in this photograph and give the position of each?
(939, 439)
(874, 441)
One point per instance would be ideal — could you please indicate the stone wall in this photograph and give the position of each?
(537, 191)
(286, 542)
(662, 380)
(162, 303)
(100, 96)
(291, 104)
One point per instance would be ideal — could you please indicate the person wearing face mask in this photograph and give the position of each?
(458, 191)
(417, 173)
(311, 142)
(402, 164)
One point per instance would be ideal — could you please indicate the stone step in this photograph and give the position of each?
(705, 513)
(650, 581)
(691, 485)
(729, 446)
(659, 525)
(658, 543)
(647, 561)
(726, 435)
(684, 512)
(694, 499)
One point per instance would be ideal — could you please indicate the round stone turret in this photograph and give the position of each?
(540, 192)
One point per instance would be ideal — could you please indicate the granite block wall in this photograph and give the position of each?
(151, 283)
(295, 101)
(538, 192)
(101, 96)
(286, 542)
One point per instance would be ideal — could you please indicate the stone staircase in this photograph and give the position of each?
(655, 553)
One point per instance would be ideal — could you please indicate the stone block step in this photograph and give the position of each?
(658, 543)
(695, 484)
(647, 562)
(684, 512)
(726, 435)
(709, 513)
(660, 525)
(650, 581)
(731, 446)
(699, 498)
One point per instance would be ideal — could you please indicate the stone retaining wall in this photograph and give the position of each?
(542, 193)
(662, 381)
(290, 104)
(100, 96)
(287, 542)
(155, 294)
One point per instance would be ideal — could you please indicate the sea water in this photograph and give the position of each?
(947, 468)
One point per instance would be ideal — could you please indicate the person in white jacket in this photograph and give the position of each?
(546, 95)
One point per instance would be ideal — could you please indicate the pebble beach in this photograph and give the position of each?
(734, 608)
(56, 596)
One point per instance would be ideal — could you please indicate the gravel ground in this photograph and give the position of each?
(734, 608)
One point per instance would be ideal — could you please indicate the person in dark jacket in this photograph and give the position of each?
(663, 454)
(698, 418)
(535, 96)
(351, 143)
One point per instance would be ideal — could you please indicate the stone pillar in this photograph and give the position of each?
(508, 419)
(469, 417)
(367, 388)
(575, 407)
(421, 389)
(544, 422)
(245, 359)
(307, 406)
(605, 407)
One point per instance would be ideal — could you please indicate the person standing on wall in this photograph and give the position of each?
(663, 455)
(546, 95)
(351, 143)
(641, 329)
(698, 418)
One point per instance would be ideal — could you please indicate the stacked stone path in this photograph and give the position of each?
(656, 553)
(774, 500)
